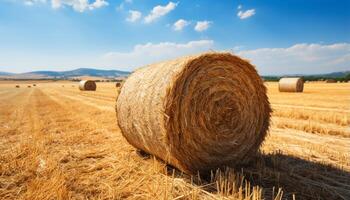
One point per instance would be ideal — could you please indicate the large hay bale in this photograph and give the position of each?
(118, 84)
(196, 113)
(87, 85)
(291, 84)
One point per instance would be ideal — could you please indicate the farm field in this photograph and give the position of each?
(57, 142)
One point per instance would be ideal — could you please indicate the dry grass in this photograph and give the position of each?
(337, 118)
(60, 143)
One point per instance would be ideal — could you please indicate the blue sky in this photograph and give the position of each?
(279, 37)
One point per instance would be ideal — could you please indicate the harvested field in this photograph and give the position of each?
(61, 143)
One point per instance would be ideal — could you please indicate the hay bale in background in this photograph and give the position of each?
(34, 85)
(196, 113)
(331, 81)
(87, 85)
(118, 84)
(291, 84)
(17, 86)
(29, 86)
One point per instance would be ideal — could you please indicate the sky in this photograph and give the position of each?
(278, 37)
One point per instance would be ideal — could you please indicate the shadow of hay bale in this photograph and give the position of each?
(302, 178)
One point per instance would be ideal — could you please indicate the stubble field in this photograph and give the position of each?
(57, 142)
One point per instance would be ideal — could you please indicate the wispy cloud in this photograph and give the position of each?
(246, 14)
(180, 24)
(143, 54)
(300, 58)
(122, 4)
(202, 26)
(134, 15)
(32, 2)
(159, 11)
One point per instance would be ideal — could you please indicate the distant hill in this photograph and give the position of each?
(339, 76)
(5, 74)
(66, 74)
(105, 74)
(335, 74)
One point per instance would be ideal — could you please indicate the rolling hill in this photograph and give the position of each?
(5, 74)
(65, 74)
(89, 72)
(340, 76)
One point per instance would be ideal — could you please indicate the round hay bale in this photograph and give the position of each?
(17, 86)
(196, 113)
(291, 84)
(34, 85)
(87, 85)
(29, 86)
(331, 81)
(118, 84)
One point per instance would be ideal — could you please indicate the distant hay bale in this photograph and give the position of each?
(17, 86)
(331, 81)
(87, 85)
(291, 84)
(34, 85)
(196, 113)
(29, 86)
(118, 84)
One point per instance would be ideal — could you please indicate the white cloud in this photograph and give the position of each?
(180, 24)
(149, 53)
(32, 2)
(98, 4)
(79, 5)
(202, 26)
(160, 11)
(55, 4)
(301, 58)
(134, 15)
(246, 14)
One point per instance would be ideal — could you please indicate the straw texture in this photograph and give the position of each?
(196, 113)
(291, 84)
(87, 85)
